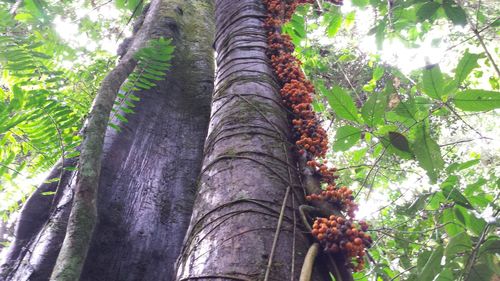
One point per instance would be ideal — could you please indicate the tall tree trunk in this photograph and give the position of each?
(149, 169)
(248, 171)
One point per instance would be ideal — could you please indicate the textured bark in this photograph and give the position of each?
(248, 165)
(149, 168)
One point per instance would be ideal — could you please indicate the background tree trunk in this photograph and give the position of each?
(248, 169)
(149, 169)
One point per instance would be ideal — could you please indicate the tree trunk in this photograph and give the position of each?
(149, 170)
(248, 171)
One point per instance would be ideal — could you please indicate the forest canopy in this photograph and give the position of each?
(407, 91)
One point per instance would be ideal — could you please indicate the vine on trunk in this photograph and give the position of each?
(338, 235)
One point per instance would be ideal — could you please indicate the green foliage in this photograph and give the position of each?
(346, 137)
(477, 100)
(342, 103)
(432, 81)
(414, 135)
(43, 102)
(427, 152)
(454, 12)
(374, 108)
(153, 61)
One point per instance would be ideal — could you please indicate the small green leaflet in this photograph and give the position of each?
(427, 152)
(153, 63)
(48, 193)
(432, 81)
(459, 243)
(342, 104)
(477, 100)
(346, 137)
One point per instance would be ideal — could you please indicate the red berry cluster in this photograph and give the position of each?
(309, 136)
(338, 235)
(340, 197)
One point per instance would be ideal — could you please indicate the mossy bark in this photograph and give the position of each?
(142, 196)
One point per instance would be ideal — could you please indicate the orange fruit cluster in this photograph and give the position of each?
(340, 197)
(338, 235)
(296, 91)
(309, 136)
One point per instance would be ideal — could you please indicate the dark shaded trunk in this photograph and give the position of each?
(149, 169)
(248, 170)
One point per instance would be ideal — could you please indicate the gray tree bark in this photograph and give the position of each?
(248, 171)
(149, 169)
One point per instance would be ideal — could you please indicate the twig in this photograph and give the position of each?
(276, 235)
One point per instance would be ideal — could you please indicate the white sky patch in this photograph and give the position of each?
(407, 59)
(69, 31)
(22, 186)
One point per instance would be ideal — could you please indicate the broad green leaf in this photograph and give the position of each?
(342, 104)
(445, 275)
(454, 12)
(436, 200)
(471, 188)
(427, 10)
(35, 7)
(472, 222)
(466, 64)
(459, 243)
(433, 265)
(490, 245)
(459, 214)
(433, 81)
(417, 205)
(481, 271)
(374, 108)
(360, 3)
(378, 73)
(346, 137)
(298, 24)
(455, 167)
(450, 191)
(335, 21)
(423, 257)
(427, 152)
(477, 100)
